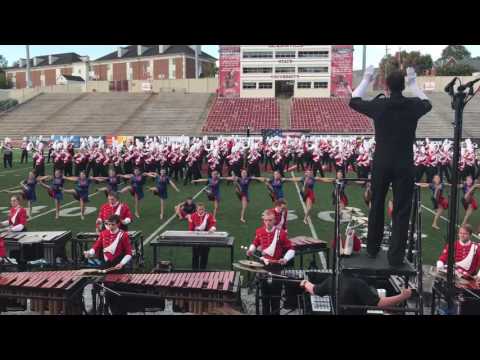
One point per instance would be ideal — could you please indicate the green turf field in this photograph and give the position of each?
(227, 217)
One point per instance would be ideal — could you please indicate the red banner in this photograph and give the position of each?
(341, 70)
(229, 71)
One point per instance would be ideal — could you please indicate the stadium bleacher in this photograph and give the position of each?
(328, 115)
(235, 114)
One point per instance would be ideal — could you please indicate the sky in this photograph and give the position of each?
(374, 52)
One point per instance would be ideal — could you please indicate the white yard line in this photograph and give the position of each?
(169, 220)
(61, 207)
(310, 224)
(11, 188)
(444, 218)
(30, 167)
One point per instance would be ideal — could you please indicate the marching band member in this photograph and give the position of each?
(201, 220)
(39, 161)
(445, 160)
(467, 255)
(67, 163)
(17, 216)
(115, 246)
(469, 202)
(185, 209)
(275, 249)
(355, 291)
(23, 147)
(7, 150)
(160, 189)
(114, 207)
(114, 243)
(17, 222)
(440, 203)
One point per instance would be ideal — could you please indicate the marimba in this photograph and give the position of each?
(306, 245)
(174, 238)
(55, 292)
(52, 243)
(82, 241)
(193, 292)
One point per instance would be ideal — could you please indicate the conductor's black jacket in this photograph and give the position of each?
(395, 120)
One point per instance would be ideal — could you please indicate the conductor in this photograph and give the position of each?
(395, 119)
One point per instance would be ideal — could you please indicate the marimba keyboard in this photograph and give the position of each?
(55, 292)
(200, 292)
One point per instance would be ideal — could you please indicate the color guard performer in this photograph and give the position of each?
(469, 202)
(201, 220)
(137, 182)
(213, 192)
(439, 202)
(242, 184)
(28, 189)
(276, 251)
(161, 183)
(80, 193)
(55, 189)
(113, 181)
(308, 193)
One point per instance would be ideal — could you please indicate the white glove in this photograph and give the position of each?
(361, 90)
(411, 76)
(412, 84)
(440, 265)
(369, 74)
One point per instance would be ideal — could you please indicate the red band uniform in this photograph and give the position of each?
(205, 222)
(122, 210)
(274, 245)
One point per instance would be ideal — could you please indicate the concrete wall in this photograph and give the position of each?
(98, 86)
(437, 83)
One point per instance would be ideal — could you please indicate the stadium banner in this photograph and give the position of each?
(121, 139)
(341, 70)
(229, 71)
(75, 140)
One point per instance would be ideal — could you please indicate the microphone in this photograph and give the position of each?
(449, 87)
(467, 85)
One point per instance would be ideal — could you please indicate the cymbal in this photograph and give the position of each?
(251, 263)
(249, 269)
(91, 271)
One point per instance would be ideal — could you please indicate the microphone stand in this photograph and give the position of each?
(459, 100)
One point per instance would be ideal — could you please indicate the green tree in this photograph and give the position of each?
(458, 52)
(455, 70)
(3, 62)
(415, 59)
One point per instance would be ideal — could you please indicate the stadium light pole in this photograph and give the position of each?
(29, 82)
(196, 61)
(364, 59)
